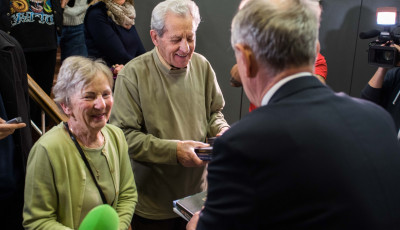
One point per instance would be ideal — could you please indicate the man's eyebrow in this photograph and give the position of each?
(175, 36)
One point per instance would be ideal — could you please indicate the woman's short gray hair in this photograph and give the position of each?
(75, 73)
(178, 7)
(281, 34)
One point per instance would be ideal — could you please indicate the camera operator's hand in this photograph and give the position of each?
(377, 80)
(186, 155)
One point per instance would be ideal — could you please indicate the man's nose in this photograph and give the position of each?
(184, 46)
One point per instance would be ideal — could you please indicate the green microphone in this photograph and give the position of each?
(102, 217)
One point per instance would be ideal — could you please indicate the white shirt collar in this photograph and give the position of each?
(279, 84)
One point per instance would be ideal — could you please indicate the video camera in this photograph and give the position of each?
(380, 53)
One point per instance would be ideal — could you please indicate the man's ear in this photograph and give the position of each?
(154, 36)
(247, 59)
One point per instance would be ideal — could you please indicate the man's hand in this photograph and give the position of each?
(192, 224)
(186, 155)
(223, 130)
(8, 129)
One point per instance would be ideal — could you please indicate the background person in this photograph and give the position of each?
(308, 158)
(168, 101)
(384, 90)
(111, 34)
(72, 40)
(59, 189)
(15, 139)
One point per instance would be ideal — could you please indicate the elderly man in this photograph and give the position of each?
(168, 101)
(308, 158)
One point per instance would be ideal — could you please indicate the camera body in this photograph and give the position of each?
(380, 52)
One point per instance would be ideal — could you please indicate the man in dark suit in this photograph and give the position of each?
(308, 158)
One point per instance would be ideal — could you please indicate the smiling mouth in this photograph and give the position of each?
(99, 115)
(184, 55)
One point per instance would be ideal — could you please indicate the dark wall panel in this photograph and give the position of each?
(338, 33)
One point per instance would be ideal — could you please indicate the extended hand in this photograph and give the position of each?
(186, 155)
(8, 129)
(223, 130)
(192, 224)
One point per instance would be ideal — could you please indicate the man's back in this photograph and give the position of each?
(310, 159)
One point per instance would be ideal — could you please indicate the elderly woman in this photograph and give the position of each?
(81, 163)
(110, 32)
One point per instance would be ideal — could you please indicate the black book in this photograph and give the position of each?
(204, 153)
(187, 206)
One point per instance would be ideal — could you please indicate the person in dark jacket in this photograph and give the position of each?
(384, 89)
(307, 158)
(35, 24)
(15, 139)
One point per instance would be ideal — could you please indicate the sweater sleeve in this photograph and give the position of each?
(216, 102)
(40, 208)
(127, 198)
(371, 94)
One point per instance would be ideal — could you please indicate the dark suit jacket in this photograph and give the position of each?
(310, 159)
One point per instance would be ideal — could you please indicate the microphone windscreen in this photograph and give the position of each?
(102, 217)
(369, 34)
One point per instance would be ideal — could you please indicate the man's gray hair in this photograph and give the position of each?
(75, 73)
(281, 33)
(178, 7)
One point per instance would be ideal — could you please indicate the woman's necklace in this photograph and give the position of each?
(92, 162)
(97, 171)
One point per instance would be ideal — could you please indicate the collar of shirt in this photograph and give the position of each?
(164, 62)
(279, 84)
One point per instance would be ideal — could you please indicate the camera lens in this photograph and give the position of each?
(388, 55)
